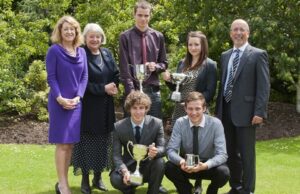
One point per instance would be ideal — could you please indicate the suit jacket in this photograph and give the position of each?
(206, 80)
(251, 86)
(152, 132)
(98, 113)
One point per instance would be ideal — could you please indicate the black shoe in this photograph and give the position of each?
(86, 190)
(162, 190)
(85, 186)
(57, 189)
(99, 185)
(233, 191)
(198, 190)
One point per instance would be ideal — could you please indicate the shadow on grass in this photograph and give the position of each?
(76, 190)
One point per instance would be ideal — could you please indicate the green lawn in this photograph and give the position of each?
(29, 169)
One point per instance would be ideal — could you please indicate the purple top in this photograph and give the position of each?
(67, 76)
(131, 54)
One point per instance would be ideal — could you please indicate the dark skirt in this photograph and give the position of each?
(92, 154)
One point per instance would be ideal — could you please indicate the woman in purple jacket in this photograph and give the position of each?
(67, 77)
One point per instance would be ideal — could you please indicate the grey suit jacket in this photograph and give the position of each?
(251, 86)
(152, 132)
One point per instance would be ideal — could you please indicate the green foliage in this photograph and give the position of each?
(25, 27)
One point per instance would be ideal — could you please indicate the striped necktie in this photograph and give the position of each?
(229, 86)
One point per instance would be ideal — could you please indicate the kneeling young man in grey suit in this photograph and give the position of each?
(140, 129)
(198, 134)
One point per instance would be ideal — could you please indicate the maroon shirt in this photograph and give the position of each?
(131, 54)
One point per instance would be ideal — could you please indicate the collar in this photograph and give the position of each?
(140, 125)
(140, 33)
(202, 123)
(242, 48)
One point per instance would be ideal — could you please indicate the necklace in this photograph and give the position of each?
(70, 50)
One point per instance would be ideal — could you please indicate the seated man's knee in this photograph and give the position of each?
(223, 175)
(169, 168)
(158, 164)
(116, 180)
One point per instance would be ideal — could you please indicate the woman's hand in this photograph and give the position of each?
(111, 89)
(166, 76)
(67, 103)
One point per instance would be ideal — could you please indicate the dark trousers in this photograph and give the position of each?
(152, 171)
(240, 142)
(218, 175)
(155, 109)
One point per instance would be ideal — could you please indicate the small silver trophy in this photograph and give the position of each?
(140, 72)
(178, 79)
(139, 152)
(191, 160)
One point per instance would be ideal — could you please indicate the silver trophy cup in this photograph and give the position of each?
(138, 153)
(191, 160)
(178, 79)
(140, 72)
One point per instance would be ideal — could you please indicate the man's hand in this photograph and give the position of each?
(126, 177)
(184, 167)
(152, 151)
(200, 167)
(151, 66)
(256, 120)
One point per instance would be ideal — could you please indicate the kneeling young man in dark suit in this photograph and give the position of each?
(199, 134)
(140, 129)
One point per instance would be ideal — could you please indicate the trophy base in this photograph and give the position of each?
(176, 96)
(136, 180)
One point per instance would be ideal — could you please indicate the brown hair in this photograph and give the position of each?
(193, 96)
(142, 4)
(137, 97)
(204, 50)
(56, 34)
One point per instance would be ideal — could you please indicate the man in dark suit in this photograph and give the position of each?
(242, 103)
(140, 129)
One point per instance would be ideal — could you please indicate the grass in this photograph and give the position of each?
(29, 169)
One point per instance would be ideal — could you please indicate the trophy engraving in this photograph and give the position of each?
(139, 152)
(191, 160)
(178, 78)
(140, 72)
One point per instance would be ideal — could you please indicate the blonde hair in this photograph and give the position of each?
(56, 34)
(93, 27)
(137, 98)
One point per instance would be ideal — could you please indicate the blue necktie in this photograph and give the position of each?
(137, 134)
(229, 86)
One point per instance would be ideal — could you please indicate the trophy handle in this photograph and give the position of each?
(129, 143)
(197, 160)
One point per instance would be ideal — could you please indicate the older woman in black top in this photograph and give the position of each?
(91, 154)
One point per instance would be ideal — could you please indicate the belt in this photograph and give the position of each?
(151, 88)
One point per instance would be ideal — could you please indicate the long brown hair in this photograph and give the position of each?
(203, 54)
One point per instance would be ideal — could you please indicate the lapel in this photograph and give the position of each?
(243, 60)
(146, 129)
(225, 65)
(106, 59)
(90, 62)
(129, 130)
